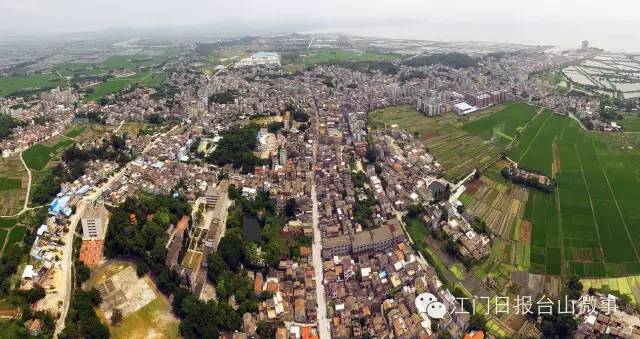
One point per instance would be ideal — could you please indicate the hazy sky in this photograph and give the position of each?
(610, 23)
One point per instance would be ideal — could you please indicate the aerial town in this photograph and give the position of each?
(264, 195)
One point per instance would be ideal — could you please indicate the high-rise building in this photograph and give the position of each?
(585, 44)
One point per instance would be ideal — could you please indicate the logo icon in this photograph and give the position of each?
(430, 305)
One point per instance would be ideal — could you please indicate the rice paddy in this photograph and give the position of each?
(460, 144)
(590, 226)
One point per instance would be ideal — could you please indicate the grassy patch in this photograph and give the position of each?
(116, 85)
(7, 184)
(74, 132)
(417, 230)
(17, 234)
(329, 56)
(154, 318)
(38, 156)
(7, 222)
(15, 83)
(502, 124)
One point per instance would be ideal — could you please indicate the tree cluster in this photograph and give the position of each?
(82, 320)
(133, 233)
(528, 181)
(236, 148)
(225, 97)
(7, 124)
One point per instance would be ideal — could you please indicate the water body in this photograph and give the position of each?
(251, 228)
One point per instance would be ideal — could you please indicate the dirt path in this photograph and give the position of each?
(555, 165)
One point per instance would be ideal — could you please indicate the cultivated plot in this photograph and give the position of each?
(590, 226)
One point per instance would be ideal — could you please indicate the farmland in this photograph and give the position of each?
(37, 156)
(119, 84)
(15, 83)
(327, 56)
(459, 144)
(11, 232)
(590, 225)
(13, 185)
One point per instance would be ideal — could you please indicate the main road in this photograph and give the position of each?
(323, 322)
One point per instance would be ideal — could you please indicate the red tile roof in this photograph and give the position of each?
(91, 252)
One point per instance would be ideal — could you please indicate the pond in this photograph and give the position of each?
(251, 228)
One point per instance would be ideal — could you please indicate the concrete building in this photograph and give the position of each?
(93, 222)
(336, 246)
(211, 196)
(379, 239)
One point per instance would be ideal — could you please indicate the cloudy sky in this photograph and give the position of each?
(612, 24)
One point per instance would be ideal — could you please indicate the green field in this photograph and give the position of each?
(8, 184)
(131, 62)
(74, 132)
(329, 56)
(12, 84)
(7, 222)
(631, 123)
(13, 185)
(37, 156)
(115, 85)
(460, 144)
(502, 125)
(590, 226)
(17, 234)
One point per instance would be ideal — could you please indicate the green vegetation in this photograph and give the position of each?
(590, 226)
(503, 124)
(631, 123)
(7, 184)
(27, 84)
(236, 148)
(332, 56)
(75, 132)
(37, 156)
(123, 84)
(460, 144)
(82, 320)
(7, 124)
(17, 234)
(7, 222)
(225, 97)
(455, 60)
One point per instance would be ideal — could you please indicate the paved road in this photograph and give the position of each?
(323, 322)
(67, 264)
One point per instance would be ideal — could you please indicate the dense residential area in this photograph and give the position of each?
(287, 186)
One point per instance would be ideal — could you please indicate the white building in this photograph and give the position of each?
(260, 59)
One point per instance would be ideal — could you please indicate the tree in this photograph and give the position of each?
(82, 273)
(231, 250)
(215, 266)
(116, 316)
(290, 208)
(477, 322)
(452, 248)
(34, 294)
